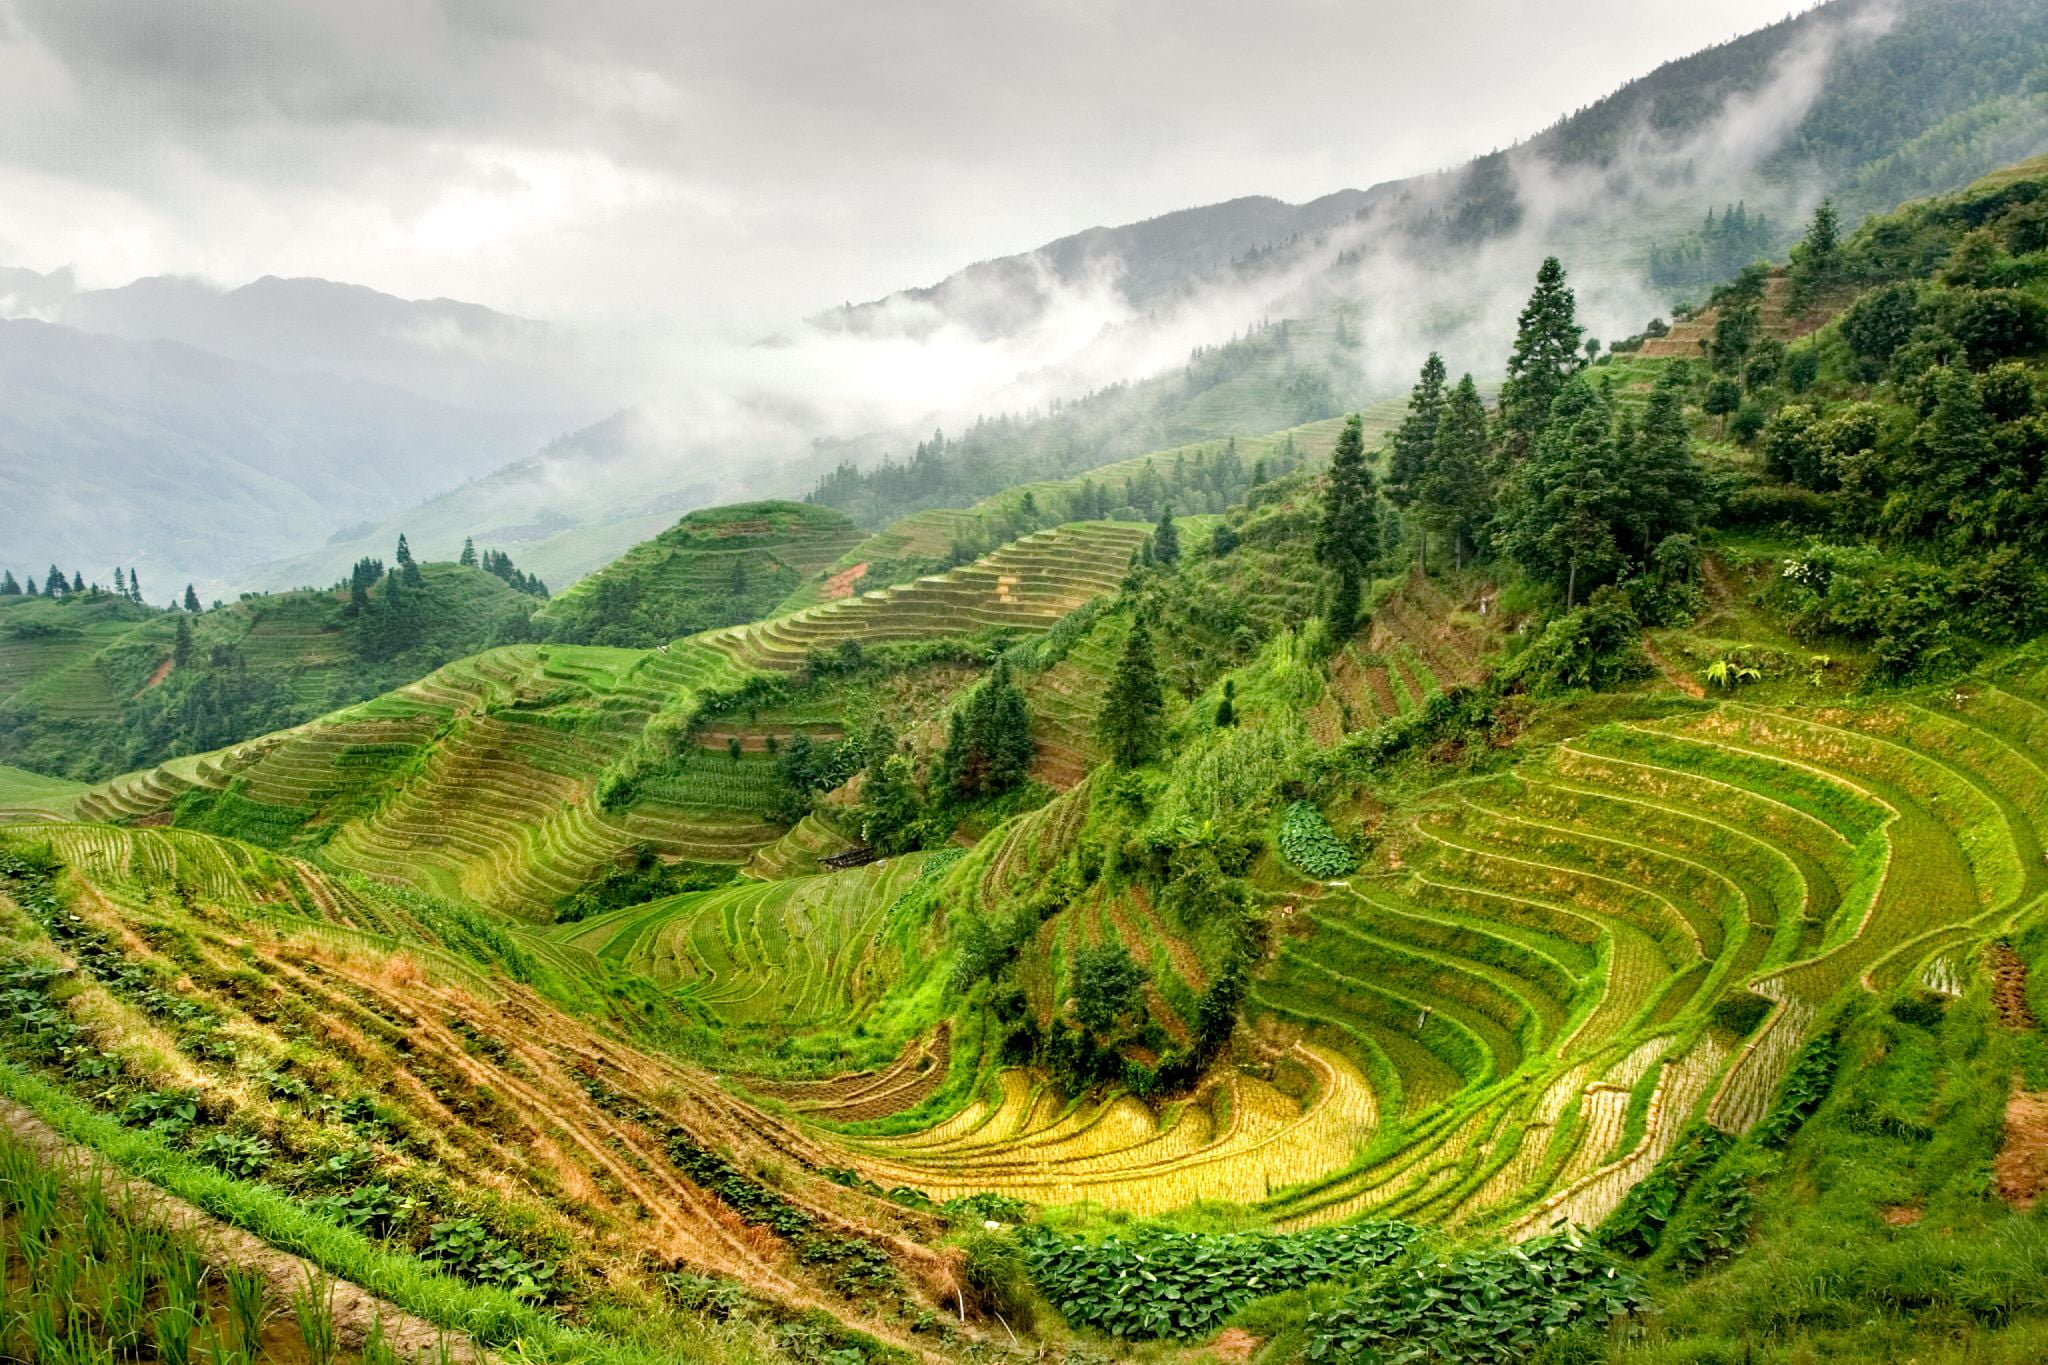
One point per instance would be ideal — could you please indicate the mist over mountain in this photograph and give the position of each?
(441, 349)
(1867, 100)
(189, 466)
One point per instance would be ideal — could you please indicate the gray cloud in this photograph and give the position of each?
(704, 168)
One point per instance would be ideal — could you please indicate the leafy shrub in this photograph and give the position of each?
(1595, 647)
(1184, 1285)
(1740, 1012)
(238, 1155)
(1501, 1304)
(1806, 1085)
(376, 1209)
(1997, 324)
(471, 1250)
(1767, 505)
(1307, 841)
(1637, 1225)
(1717, 1221)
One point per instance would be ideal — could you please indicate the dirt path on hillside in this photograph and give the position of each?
(1671, 674)
(2019, 1173)
(163, 670)
(355, 1309)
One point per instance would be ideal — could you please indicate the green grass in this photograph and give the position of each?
(24, 794)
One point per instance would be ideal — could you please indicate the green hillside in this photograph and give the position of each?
(92, 684)
(716, 567)
(1555, 874)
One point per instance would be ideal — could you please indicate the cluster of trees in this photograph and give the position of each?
(1916, 435)
(988, 740)
(1718, 249)
(1563, 477)
(1110, 424)
(127, 586)
(54, 585)
(499, 564)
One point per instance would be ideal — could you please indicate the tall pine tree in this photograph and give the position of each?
(8, 586)
(467, 559)
(1416, 436)
(1664, 486)
(1166, 539)
(1351, 533)
(1455, 497)
(191, 600)
(1133, 703)
(1546, 354)
(1561, 503)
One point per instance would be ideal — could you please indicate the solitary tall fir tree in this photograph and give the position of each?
(1166, 539)
(1129, 723)
(1546, 354)
(1454, 498)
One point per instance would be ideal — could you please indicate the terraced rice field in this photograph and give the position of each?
(805, 952)
(1027, 585)
(483, 1089)
(1420, 642)
(1241, 1140)
(1526, 976)
(1065, 701)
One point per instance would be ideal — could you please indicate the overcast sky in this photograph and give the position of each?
(723, 167)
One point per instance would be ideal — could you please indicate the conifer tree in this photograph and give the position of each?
(120, 582)
(1226, 710)
(1416, 436)
(77, 581)
(1561, 503)
(30, 589)
(1351, 534)
(407, 568)
(181, 646)
(134, 586)
(1133, 703)
(1546, 354)
(55, 584)
(1823, 239)
(191, 600)
(1663, 484)
(467, 559)
(1166, 539)
(1455, 497)
(8, 586)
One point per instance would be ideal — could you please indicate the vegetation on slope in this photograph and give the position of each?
(93, 684)
(1504, 831)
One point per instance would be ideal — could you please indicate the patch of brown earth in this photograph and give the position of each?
(841, 584)
(1234, 1346)
(1671, 674)
(163, 670)
(1901, 1215)
(2009, 987)
(2020, 1171)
